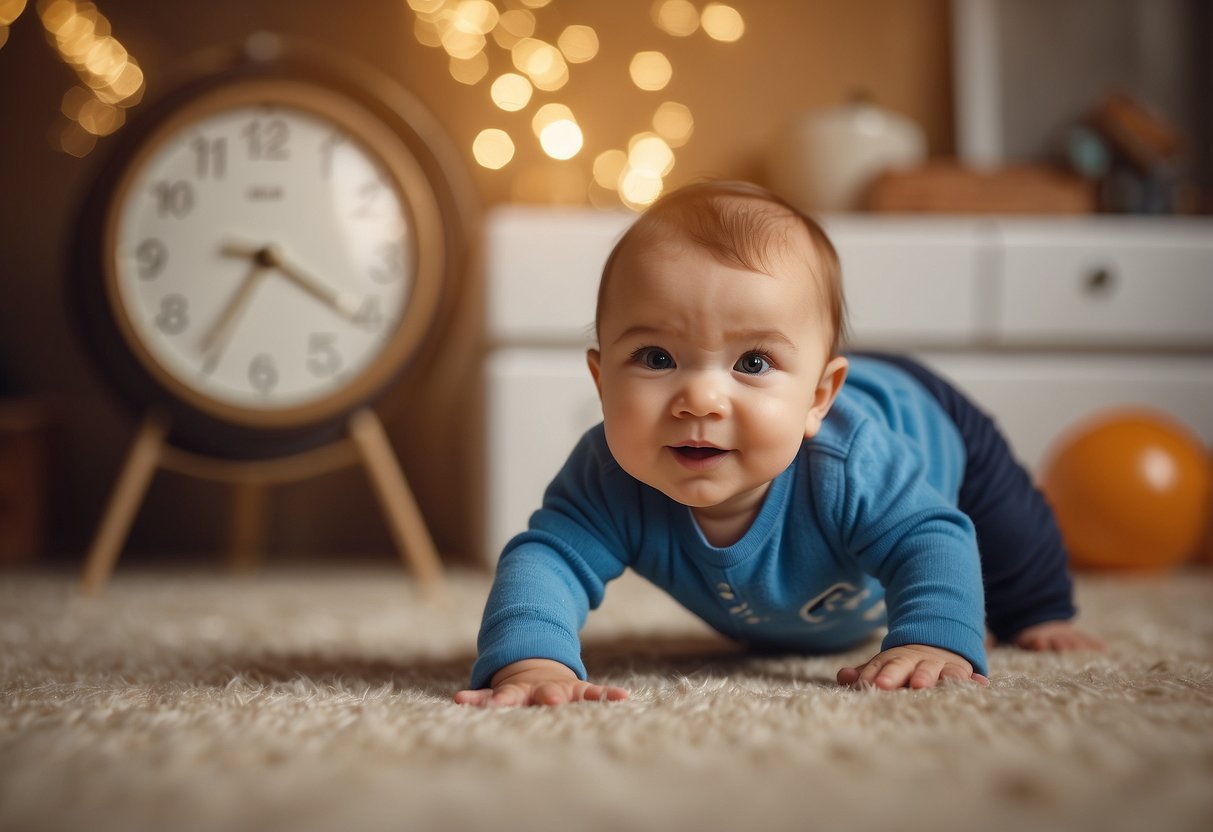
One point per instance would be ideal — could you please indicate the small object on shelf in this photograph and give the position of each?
(1144, 136)
(951, 188)
(824, 160)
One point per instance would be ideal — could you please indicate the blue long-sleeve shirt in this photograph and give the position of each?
(861, 531)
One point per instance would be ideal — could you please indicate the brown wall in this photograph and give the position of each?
(795, 54)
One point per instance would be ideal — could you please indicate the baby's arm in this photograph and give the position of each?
(916, 666)
(537, 682)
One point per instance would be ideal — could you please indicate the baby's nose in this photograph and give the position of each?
(702, 394)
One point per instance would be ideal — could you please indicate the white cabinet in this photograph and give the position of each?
(1042, 321)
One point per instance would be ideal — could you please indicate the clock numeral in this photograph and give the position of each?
(267, 139)
(390, 267)
(327, 150)
(150, 257)
(370, 314)
(263, 374)
(323, 358)
(369, 203)
(173, 317)
(210, 157)
(173, 199)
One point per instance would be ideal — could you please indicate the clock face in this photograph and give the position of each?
(265, 252)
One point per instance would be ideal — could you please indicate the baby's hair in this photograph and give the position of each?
(740, 224)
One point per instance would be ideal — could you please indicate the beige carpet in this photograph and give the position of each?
(321, 701)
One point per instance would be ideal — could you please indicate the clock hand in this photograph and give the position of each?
(216, 338)
(344, 303)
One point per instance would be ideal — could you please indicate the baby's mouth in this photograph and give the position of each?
(697, 453)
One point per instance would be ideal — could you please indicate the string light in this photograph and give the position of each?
(674, 123)
(650, 70)
(721, 22)
(110, 78)
(679, 18)
(511, 92)
(493, 148)
(578, 44)
(10, 10)
(467, 29)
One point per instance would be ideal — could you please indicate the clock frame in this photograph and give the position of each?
(424, 258)
(382, 118)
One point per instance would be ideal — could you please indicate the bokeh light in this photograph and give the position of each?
(674, 123)
(513, 26)
(722, 23)
(650, 70)
(475, 17)
(649, 152)
(493, 148)
(608, 167)
(639, 188)
(578, 44)
(470, 70)
(541, 62)
(460, 44)
(10, 10)
(511, 92)
(425, 30)
(110, 78)
(558, 132)
(679, 18)
(470, 32)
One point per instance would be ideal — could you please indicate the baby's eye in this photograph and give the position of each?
(752, 363)
(655, 358)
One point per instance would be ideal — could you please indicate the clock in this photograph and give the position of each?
(270, 246)
(268, 253)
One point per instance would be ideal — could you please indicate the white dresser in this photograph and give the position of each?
(1043, 321)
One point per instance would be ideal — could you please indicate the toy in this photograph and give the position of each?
(1130, 489)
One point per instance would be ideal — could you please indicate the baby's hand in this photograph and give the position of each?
(915, 666)
(1057, 635)
(536, 682)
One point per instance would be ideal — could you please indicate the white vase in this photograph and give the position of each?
(825, 159)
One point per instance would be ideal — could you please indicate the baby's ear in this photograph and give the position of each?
(832, 379)
(593, 360)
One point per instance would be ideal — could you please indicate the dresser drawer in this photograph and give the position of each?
(542, 267)
(912, 282)
(539, 403)
(1035, 398)
(1129, 286)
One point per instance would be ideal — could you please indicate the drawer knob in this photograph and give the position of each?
(1099, 281)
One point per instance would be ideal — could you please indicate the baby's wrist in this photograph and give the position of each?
(548, 667)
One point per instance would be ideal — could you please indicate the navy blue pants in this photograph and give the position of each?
(1023, 559)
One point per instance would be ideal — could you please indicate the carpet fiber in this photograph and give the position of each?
(320, 700)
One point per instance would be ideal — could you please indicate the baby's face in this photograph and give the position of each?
(710, 375)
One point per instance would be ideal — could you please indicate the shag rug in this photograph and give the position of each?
(321, 700)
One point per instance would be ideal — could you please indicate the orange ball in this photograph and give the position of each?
(1206, 549)
(1130, 489)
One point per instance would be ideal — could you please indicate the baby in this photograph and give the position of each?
(794, 498)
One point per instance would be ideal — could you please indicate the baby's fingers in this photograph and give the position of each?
(476, 698)
(598, 693)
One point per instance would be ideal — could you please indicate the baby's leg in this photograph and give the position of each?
(1023, 561)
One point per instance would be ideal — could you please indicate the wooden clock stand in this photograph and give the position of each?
(367, 443)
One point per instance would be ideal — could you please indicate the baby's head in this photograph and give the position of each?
(743, 225)
(720, 315)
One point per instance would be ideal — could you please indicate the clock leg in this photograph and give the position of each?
(403, 516)
(249, 505)
(141, 464)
